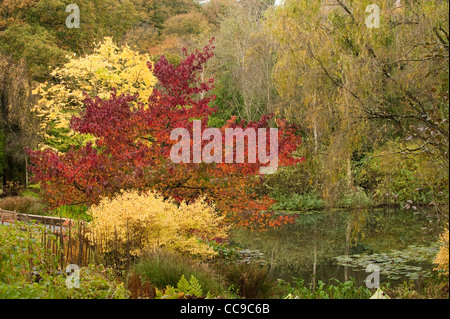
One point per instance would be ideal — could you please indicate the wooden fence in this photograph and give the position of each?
(7, 216)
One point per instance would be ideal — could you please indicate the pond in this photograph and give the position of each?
(340, 244)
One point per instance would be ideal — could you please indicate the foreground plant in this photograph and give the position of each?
(185, 289)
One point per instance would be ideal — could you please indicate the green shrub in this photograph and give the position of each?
(299, 202)
(30, 270)
(187, 289)
(71, 211)
(22, 252)
(31, 191)
(303, 178)
(392, 177)
(96, 282)
(164, 268)
(248, 280)
(358, 198)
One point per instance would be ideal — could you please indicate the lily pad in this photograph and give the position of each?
(395, 264)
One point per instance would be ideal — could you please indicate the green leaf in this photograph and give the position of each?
(183, 284)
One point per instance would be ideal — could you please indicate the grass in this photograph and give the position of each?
(436, 287)
(227, 279)
(312, 202)
(298, 202)
(74, 212)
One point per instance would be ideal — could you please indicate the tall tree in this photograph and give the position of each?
(96, 74)
(14, 11)
(342, 77)
(36, 30)
(17, 125)
(245, 56)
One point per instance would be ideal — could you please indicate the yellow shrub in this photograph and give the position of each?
(138, 222)
(442, 256)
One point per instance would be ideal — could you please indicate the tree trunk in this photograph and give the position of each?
(316, 136)
(349, 173)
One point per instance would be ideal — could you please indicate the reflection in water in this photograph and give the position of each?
(308, 249)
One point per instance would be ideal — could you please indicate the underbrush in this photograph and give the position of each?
(162, 267)
(436, 287)
(162, 270)
(321, 290)
(355, 199)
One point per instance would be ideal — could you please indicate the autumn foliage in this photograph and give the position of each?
(132, 147)
(149, 221)
(109, 66)
(442, 257)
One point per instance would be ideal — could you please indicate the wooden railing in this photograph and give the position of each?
(8, 216)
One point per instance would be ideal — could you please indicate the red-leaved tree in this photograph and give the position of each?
(132, 148)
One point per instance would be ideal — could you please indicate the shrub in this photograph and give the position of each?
(147, 221)
(358, 198)
(338, 290)
(12, 189)
(248, 280)
(28, 269)
(22, 252)
(31, 191)
(299, 202)
(96, 282)
(395, 178)
(72, 211)
(139, 289)
(185, 289)
(163, 268)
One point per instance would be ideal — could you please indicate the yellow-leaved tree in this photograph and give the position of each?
(108, 67)
(135, 222)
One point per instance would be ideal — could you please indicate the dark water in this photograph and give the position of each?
(340, 244)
